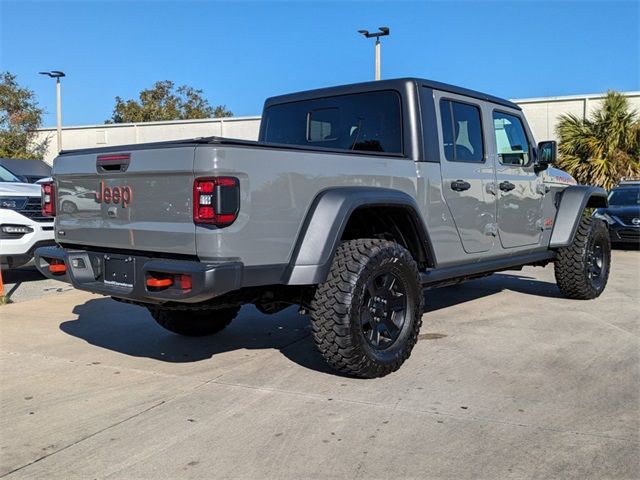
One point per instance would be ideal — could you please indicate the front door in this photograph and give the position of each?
(467, 173)
(520, 190)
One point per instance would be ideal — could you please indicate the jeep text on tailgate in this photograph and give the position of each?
(354, 200)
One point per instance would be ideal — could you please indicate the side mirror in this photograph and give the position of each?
(547, 154)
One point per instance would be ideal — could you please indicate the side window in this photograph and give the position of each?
(461, 132)
(370, 122)
(447, 129)
(512, 145)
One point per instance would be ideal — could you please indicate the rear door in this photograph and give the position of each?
(136, 199)
(520, 190)
(467, 171)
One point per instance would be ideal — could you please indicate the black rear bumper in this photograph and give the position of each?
(85, 270)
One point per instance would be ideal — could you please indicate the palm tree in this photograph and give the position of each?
(603, 148)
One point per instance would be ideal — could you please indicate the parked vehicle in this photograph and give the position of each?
(354, 200)
(23, 227)
(623, 213)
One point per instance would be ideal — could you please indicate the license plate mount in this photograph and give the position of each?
(119, 271)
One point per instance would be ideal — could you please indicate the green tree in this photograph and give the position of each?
(221, 111)
(604, 147)
(166, 102)
(20, 116)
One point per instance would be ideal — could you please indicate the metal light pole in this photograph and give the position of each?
(57, 75)
(384, 31)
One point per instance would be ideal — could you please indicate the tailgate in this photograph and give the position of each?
(136, 199)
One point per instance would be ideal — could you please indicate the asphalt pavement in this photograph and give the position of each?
(508, 380)
(25, 283)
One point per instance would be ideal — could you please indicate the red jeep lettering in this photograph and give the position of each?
(116, 195)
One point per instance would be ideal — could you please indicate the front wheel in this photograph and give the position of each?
(69, 207)
(582, 268)
(194, 323)
(366, 316)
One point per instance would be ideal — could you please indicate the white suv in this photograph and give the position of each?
(23, 228)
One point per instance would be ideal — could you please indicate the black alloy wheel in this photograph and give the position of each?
(384, 310)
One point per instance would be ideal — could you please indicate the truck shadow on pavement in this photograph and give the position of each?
(473, 289)
(130, 330)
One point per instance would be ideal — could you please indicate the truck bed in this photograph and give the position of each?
(278, 184)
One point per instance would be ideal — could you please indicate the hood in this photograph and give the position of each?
(621, 210)
(11, 189)
(553, 175)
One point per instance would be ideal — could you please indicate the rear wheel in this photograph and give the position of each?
(367, 314)
(194, 323)
(582, 268)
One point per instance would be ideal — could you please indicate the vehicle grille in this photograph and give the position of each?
(627, 218)
(628, 234)
(33, 210)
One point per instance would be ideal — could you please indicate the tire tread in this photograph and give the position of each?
(331, 309)
(569, 267)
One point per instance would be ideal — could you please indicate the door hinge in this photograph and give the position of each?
(542, 189)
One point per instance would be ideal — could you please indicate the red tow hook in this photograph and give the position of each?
(57, 267)
(159, 282)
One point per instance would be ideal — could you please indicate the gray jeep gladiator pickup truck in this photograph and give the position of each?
(354, 200)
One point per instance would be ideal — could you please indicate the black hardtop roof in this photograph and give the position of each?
(393, 84)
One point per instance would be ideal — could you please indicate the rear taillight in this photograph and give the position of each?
(216, 200)
(48, 199)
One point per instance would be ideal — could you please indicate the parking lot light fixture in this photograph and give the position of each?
(57, 74)
(382, 32)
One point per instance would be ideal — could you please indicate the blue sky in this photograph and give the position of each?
(241, 52)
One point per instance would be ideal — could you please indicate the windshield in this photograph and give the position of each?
(7, 176)
(627, 196)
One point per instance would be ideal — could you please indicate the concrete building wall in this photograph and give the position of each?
(90, 136)
(542, 115)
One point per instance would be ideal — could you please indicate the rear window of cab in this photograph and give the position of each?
(366, 122)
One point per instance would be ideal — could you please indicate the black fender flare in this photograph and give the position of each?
(326, 220)
(573, 200)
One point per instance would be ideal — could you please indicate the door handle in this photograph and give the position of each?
(506, 186)
(460, 185)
